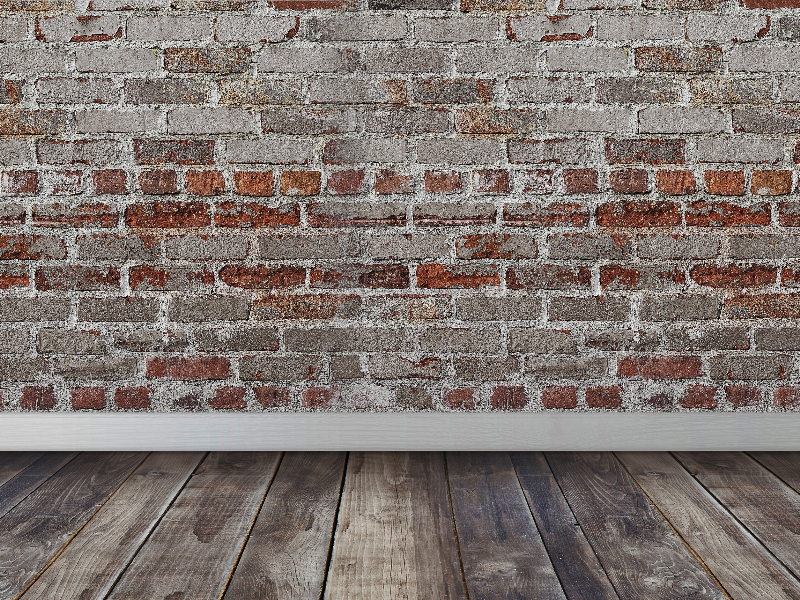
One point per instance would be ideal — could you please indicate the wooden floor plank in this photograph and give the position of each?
(641, 554)
(394, 537)
(287, 552)
(97, 556)
(190, 554)
(785, 465)
(34, 531)
(12, 463)
(24, 483)
(741, 564)
(502, 553)
(581, 575)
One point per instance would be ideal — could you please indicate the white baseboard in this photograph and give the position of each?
(406, 431)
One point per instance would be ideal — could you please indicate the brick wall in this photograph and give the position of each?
(399, 204)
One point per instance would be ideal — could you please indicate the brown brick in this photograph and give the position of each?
(19, 183)
(508, 397)
(181, 152)
(787, 397)
(561, 396)
(442, 182)
(679, 59)
(639, 214)
(301, 183)
(495, 246)
(204, 183)
(724, 214)
(254, 183)
(771, 183)
(345, 182)
(462, 398)
(548, 277)
(16, 122)
(81, 215)
(110, 181)
(550, 215)
(388, 181)
(272, 396)
(604, 397)
(676, 183)
(159, 182)
(134, 398)
(580, 181)
(168, 214)
(733, 276)
(228, 397)
(318, 398)
(366, 276)
(743, 395)
(261, 277)
(250, 214)
(447, 276)
(494, 181)
(762, 306)
(37, 397)
(189, 368)
(77, 277)
(629, 181)
(660, 367)
(13, 276)
(699, 396)
(31, 247)
(724, 183)
(88, 398)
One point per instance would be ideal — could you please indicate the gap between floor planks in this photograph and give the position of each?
(454, 526)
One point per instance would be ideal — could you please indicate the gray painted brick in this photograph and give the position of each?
(790, 89)
(496, 60)
(350, 151)
(459, 152)
(781, 339)
(13, 30)
(725, 28)
(305, 247)
(347, 340)
(270, 151)
(301, 60)
(356, 91)
(116, 60)
(407, 121)
(77, 91)
(663, 119)
(420, 246)
(106, 369)
(255, 28)
(238, 339)
(750, 368)
(587, 59)
(677, 247)
(169, 28)
(45, 308)
(541, 341)
(774, 59)
(14, 152)
(587, 247)
(639, 27)
(117, 121)
(66, 28)
(166, 91)
(545, 90)
(23, 60)
(566, 368)
(407, 60)
(208, 308)
(764, 246)
(264, 368)
(461, 341)
(118, 310)
(69, 341)
(211, 121)
(193, 248)
(14, 341)
(679, 308)
(149, 340)
(486, 369)
(740, 150)
(117, 248)
(523, 308)
(89, 152)
(457, 29)
(606, 308)
(538, 27)
(344, 28)
(565, 150)
(24, 369)
(618, 120)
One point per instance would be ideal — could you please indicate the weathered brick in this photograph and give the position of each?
(388, 181)
(725, 214)
(639, 27)
(307, 307)
(568, 246)
(540, 28)
(12, 214)
(182, 152)
(257, 92)
(679, 308)
(708, 91)
(384, 276)
(75, 91)
(37, 398)
(346, 340)
(486, 368)
(459, 276)
(463, 90)
(346, 367)
(639, 214)
(19, 183)
(508, 397)
(208, 308)
(82, 215)
(498, 309)
(40, 61)
(119, 310)
(168, 214)
(663, 246)
(132, 398)
(621, 277)
(637, 90)
(492, 246)
(19, 122)
(228, 397)
(341, 214)
(495, 120)
(414, 308)
(771, 183)
(594, 308)
(762, 306)
(88, 398)
(14, 276)
(530, 215)
(754, 368)
(561, 151)
(648, 151)
(253, 28)
(560, 397)
(204, 183)
(536, 181)
(679, 59)
(566, 368)
(272, 396)
(663, 119)
(262, 277)
(460, 398)
(392, 366)
(783, 339)
(628, 181)
(541, 341)
(77, 277)
(442, 182)
(353, 91)
(740, 150)
(438, 214)
(147, 278)
(223, 61)
(110, 181)
(166, 91)
(546, 276)
(699, 396)
(733, 276)
(787, 397)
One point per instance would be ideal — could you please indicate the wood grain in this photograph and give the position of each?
(97, 556)
(34, 531)
(740, 563)
(502, 553)
(394, 537)
(287, 552)
(640, 553)
(24, 483)
(12, 463)
(785, 465)
(581, 575)
(190, 554)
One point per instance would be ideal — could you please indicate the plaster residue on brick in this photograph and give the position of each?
(399, 205)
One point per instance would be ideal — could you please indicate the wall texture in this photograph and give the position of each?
(399, 205)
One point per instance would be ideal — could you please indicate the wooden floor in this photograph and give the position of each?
(432, 526)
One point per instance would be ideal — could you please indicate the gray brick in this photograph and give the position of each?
(359, 214)
(750, 368)
(739, 150)
(541, 341)
(14, 341)
(149, 340)
(637, 90)
(32, 247)
(211, 121)
(407, 121)
(789, 28)
(461, 341)
(346, 367)
(392, 366)
(23, 60)
(725, 28)
(240, 339)
(77, 91)
(459, 152)
(260, 368)
(69, 341)
(765, 121)
(356, 91)
(419, 246)
(486, 369)
(192, 247)
(24, 369)
(304, 247)
(496, 60)
(255, 28)
(411, 308)
(639, 27)
(545, 90)
(507, 246)
(566, 368)
(781, 339)
(309, 121)
(66, 28)
(344, 28)
(376, 150)
(718, 338)
(302, 60)
(407, 60)
(88, 152)
(105, 369)
(195, 309)
(665, 247)
(169, 28)
(410, 4)
(347, 340)
(790, 89)
(587, 59)
(769, 60)
(715, 91)
(679, 119)
(118, 248)
(538, 28)
(764, 246)
(14, 152)
(679, 308)
(523, 308)
(416, 398)
(569, 246)
(568, 150)
(274, 152)
(453, 213)
(622, 340)
(13, 30)
(116, 60)
(117, 121)
(307, 306)
(618, 120)
(171, 278)
(604, 308)
(167, 91)
(457, 29)
(118, 310)
(34, 309)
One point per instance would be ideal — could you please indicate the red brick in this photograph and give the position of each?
(639, 214)
(204, 183)
(463, 399)
(442, 182)
(254, 183)
(366, 276)
(181, 152)
(250, 214)
(228, 397)
(561, 396)
(13, 276)
(494, 246)
(110, 181)
(67, 183)
(508, 397)
(189, 368)
(789, 214)
(676, 183)
(660, 401)
(77, 277)
(725, 214)
(388, 181)
(771, 183)
(786, 397)
(19, 183)
(159, 278)
(648, 151)
(491, 181)
(88, 398)
(318, 398)
(168, 214)
(743, 395)
(699, 396)
(733, 276)
(537, 181)
(604, 397)
(37, 397)
(207, 60)
(261, 277)
(81, 215)
(660, 367)
(135, 398)
(550, 215)
(25, 122)
(301, 183)
(548, 277)
(306, 306)
(763, 306)
(485, 119)
(724, 183)
(272, 396)
(628, 181)
(623, 277)
(679, 59)
(580, 181)
(159, 182)
(345, 182)
(24, 247)
(459, 276)
(770, 4)
(790, 277)
(12, 94)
